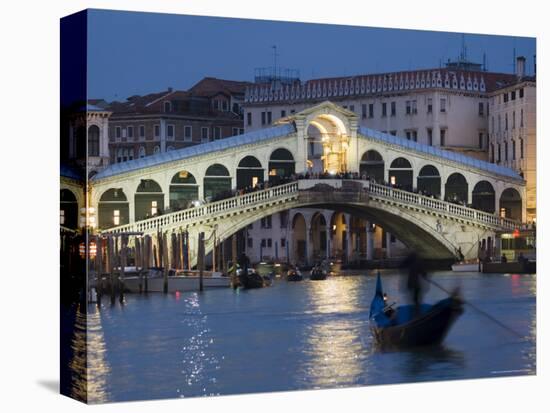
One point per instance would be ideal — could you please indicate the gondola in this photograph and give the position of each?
(294, 274)
(317, 273)
(396, 328)
(252, 279)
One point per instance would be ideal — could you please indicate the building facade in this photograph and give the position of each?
(512, 131)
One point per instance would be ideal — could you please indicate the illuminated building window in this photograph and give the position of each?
(154, 208)
(116, 217)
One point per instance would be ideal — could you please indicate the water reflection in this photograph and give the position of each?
(333, 343)
(98, 368)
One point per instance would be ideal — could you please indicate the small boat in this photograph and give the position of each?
(294, 274)
(317, 273)
(252, 279)
(401, 327)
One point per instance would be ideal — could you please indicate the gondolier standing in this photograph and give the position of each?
(415, 286)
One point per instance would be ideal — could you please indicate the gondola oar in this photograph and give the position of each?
(490, 317)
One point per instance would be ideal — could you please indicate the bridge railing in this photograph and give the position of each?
(163, 221)
(442, 206)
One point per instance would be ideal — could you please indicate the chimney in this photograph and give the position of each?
(520, 67)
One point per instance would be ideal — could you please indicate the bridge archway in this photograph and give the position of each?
(456, 188)
(429, 181)
(372, 165)
(148, 200)
(217, 181)
(401, 174)
(510, 204)
(183, 190)
(113, 209)
(483, 197)
(281, 165)
(68, 209)
(319, 236)
(299, 247)
(249, 172)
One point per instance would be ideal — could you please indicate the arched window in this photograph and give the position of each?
(156, 149)
(510, 204)
(148, 200)
(93, 140)
(217, 182)
(249, 172)
(183, 190)
(372, 165)
(483, 197)
(142, 151)
(113, 208)
(456, 189)
(429, 181)
(401, 174)
(281, 165)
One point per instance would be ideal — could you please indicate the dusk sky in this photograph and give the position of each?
(137, 53)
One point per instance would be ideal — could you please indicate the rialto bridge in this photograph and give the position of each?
(435, 201)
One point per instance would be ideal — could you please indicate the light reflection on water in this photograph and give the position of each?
(313, 334)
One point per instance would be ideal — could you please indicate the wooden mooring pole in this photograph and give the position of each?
(234, 260)
(123, 261)
(200, 260)
(165, 259)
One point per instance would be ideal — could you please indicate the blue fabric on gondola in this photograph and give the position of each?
(377, 304)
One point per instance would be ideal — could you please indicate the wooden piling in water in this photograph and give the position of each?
(112, 264)
(138, 258)
(165, 263)
(200, 260)
(234, 260)
(123, 261)
(147, 243)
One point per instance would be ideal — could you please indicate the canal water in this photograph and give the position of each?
(302, 335)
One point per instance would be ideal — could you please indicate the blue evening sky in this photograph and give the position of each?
(137, 53)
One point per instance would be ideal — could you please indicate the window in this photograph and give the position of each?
(443, 105)
(505, 150)
(170, 131)
(188, 133)
(392, 108)
(234, 131)
(157, 131)
(93, 140)
(371, 110)
(249, 118)
(167, 107)
(283, 219)
(414, 107)
(513, 150)
(269, 244)
(430, 137)
(521, 148)
(62, 217)
(130, 131)
(154, 208)
(217, 132)
(204, 134)
(480, 110)
(393, 132)
(352, 108)
(411, 134)
(283, 113)
(521, 118)
(492, 153)
(480, 140)
(142, 131)
(430, 105)
(249, 243)
(408, 107)
(225, 107)
(118, 132)
(505, 121)
(269, 118)
(498, 153)
(408, 134)
(142, 151)
(116, 217)
(492, 124)
(241, 131)
(499, 123)
(363, 111)
(263, 118)
(415, 135)
(513, 95)
(521, 93)
(265, 222)
(442, 137)
(514, 119)
(216, 104)
(384, 110)
(250, 226)
(263, 242)
(283, 242)
(156, 149)
(505, 97)
(292, 111)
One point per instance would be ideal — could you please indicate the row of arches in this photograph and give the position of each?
(428, 181)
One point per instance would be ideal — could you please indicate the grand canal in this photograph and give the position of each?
(306, 335)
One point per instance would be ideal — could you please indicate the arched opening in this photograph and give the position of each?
(327, 145)
(281, 165)
(68, 209)
(299, 247)
(113, 209)
(339, 234)
(428, 181)
(183, 190)
(93, 140)
(510, 204)
(456, 189)
(217, 182)
(249, 172)
(319, 236)
(372, 165)
(401, 174)
(148, 200)
(483, 197)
